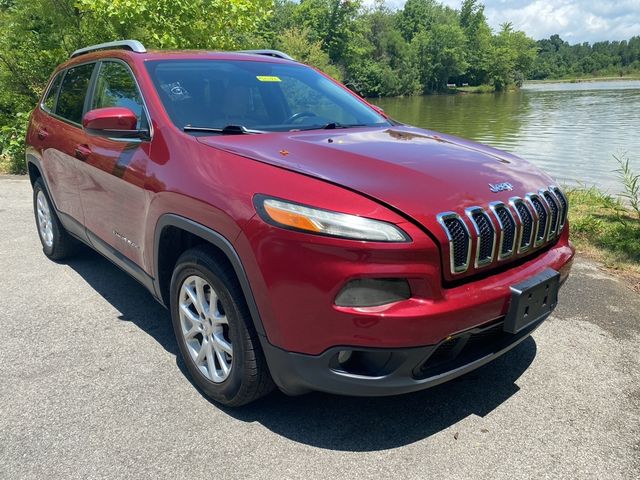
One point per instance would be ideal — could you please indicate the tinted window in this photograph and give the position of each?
(49, 102)
(115, 87)
(258, 95)
(73, 91)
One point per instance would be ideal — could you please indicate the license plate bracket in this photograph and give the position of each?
(532, 300)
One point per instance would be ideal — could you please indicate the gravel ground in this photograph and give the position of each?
(90, 387)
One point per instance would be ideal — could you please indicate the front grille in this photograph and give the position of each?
(555, 211)
(508, 228)
(459, 241)
(504, 229)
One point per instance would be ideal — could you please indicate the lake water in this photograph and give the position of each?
(570, 130)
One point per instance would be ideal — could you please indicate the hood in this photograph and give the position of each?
(419, 172)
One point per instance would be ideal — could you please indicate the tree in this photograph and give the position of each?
(478, 41)
(557, 59)
(381, 62)
(513, 57)
(441, 54)
(331, 22)
(419, 15)
(212, 24)
(295, 42)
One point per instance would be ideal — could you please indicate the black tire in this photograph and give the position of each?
(63, 245)
(249, 377)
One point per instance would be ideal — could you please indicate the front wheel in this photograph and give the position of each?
(214, 330)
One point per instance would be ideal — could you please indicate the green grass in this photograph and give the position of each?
(604, 228)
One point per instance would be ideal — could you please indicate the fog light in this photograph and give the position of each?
(372, 292)
(368, 363)
(344, 356)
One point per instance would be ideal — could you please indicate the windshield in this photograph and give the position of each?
(257, 96)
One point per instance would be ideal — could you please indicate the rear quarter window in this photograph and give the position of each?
(73, 92)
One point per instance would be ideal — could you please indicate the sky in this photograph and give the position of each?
(576, 21)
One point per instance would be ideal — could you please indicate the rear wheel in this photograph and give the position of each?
(56, 242)
(214, 330)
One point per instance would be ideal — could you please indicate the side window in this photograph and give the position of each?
(115, 87)
(49, 102)
(73, 91)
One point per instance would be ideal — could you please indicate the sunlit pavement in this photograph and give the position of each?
(90, 387)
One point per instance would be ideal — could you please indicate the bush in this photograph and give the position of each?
(631, 183)
(12, 145)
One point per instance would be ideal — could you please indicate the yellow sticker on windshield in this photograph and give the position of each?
(268, 78)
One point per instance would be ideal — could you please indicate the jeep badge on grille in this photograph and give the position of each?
(500, 187)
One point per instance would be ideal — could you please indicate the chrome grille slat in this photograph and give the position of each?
(554, 211)
(459, 241)
(485, 235)
(527, 223)
(508, 234)
(542, 211)
(564, 205)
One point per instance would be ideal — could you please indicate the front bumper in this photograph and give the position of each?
(296, 278)
(394, 371)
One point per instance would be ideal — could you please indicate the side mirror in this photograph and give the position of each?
(113, 122)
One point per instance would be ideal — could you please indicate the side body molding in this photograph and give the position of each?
(216, 239)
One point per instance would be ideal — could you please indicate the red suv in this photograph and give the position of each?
(297, 234)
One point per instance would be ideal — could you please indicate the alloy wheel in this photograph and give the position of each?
(205, 328)
(45, 225)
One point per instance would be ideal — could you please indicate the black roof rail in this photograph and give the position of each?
(268, 53)
(133, 45)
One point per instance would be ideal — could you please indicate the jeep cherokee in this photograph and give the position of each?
(299, 236)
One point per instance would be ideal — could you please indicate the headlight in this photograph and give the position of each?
(294, 216)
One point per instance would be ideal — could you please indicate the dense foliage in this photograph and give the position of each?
(376, 51)
(557, 59)
(37, 35)
(420, 48)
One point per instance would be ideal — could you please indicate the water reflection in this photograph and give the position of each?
(570, 130)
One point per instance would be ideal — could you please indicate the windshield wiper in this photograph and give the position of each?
(332, 126)
(227, 130)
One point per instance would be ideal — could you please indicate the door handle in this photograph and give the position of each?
(42, 133)
(82, 152)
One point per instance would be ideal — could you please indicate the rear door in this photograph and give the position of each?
(113, 173)
(59, 132)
